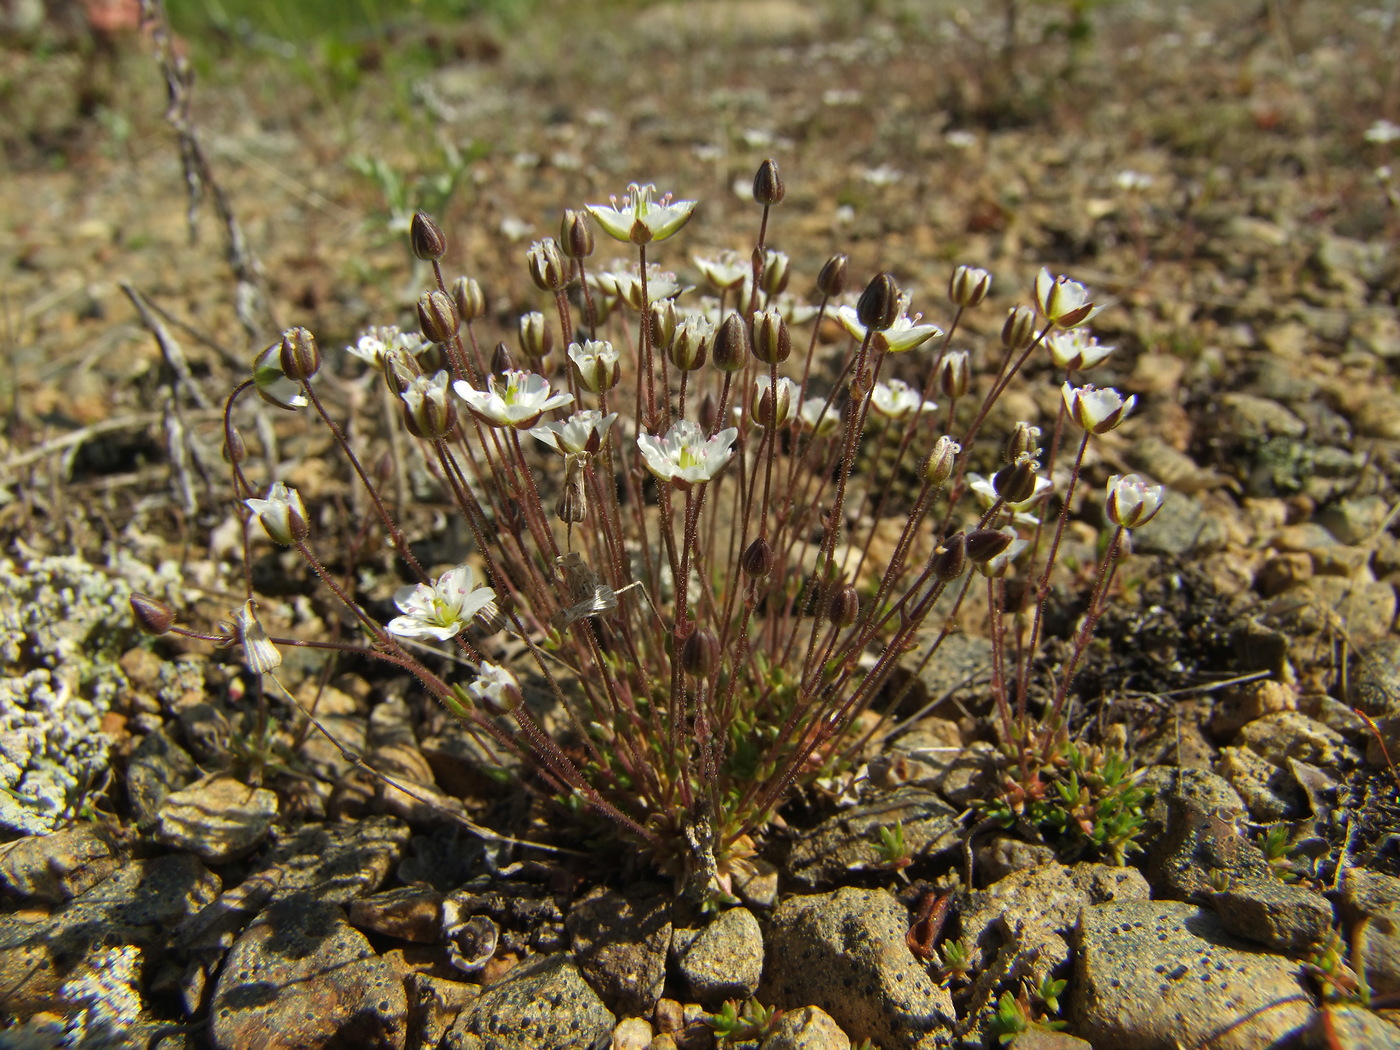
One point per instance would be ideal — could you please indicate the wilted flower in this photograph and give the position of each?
(1064, 303)
(1131, 502)
(1383, 132)
(625, 284)
(441, 610)
(938, 468)
(595, 364)
(904, 333)
(272, 383)
(685, 456)
(282, 514)
(896, 399)
(640, 219)
(495, 688)
(1075, 349)
(581, 432)
(515, 399)
(1097, 411)
(259, 653)
(818, 416)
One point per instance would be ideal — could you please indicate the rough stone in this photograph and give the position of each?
(1283, 735)
(542, 1004)
(1236, 708)
(1276, 914)
(620, 940)
(1269, 792)
(336, 862)
(1373, 683)
(1370, 907)
(301, 978)
(56, 867)
(158, 767)
(1346, 1027)
(1155, 975)
(724, 960)
(218, 818)
(845, 952)
(1365, 608)
(410, 913)
(810, 1028)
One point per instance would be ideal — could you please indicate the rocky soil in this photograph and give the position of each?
(1222, 180)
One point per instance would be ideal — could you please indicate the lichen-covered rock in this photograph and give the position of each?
(724, 960)
(543, 1004)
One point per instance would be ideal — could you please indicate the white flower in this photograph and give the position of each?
(1132, 181)
(1097, 411)
(430, 414)
(282, 514)
(986, 492)
(625, 284)
(896, 399)
(905, 333)
(1075, 349)
(595, 364)
(817, 416)
(581, 432)
(725, 271)
(1132, 502)
(441, 610)
(272, 383)
(684, 456)
(639, 218)
(515, 399)
(1064, 303)
(998, 565)
(1383, 132)
(377, 341)
(788, 393)
(495, 688)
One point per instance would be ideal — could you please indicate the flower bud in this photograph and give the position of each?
(985, 544)
(771, 341)
(536, 337)
(1018, 333)
(400, 369)
(282, 514)
(1096, 410)
(774, 274)
(1132, 502)
(299, 356)
(437, 317)
(950, 558)
(757, 560)
(955, 373)
(664, 317)
(496, 689)
(235, 451)
(572, 506)
(845, 606)
(768, 188)
(969, 285)
(938, 468)
(596, 364)
(878, 305)
(831, 282)
(708, 413)
(502, 361)
(547, 267)
(731, 346)
(151, 615)
(470, 299)
(690, 344)
(700, 653)
(774, 410)
(1015, 482)
(426, 237)
(428, 412)
(576, 234)
(1023, 442)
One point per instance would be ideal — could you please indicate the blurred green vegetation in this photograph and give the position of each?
(277, 26)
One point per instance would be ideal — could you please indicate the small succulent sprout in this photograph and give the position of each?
(690, 345)
(582, 432)
(938, 468)
(469, 299)
(774, 409)
(536, 337)
(758, 559)
(259, 654)
(772, 344)
(640, 218)
(955, 373)
(299, 355)
(1016, 482)
(774, 273)
(1075, 349)
(1096, 410)
(576, 234)
(731, 347)
(1131, 502)
(685, 456)
(496, 689)
(968, 286)
(282, 514)
(428, 414)
(768, 188)
(878, 305)
(442, 609)
(1019, 331)
(724, 272)
(426, 238)
(1061, 301)
(700, 653)
(831, 281)
(896, 399)
(437, 317)
(548, 267)
(950, 558)
(151, 615)
(596, 364)
(514, 399)
(272, 383)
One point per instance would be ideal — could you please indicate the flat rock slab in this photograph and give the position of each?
(846, 953)
(543, 1004)
(218, 818)
(1155, 975)
(56, 867)
(302, 978)
(620, 942)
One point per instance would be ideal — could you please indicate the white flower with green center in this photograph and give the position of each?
(495, 688)
(905, 333)
(640, 218)
(515, 399)
(441, 610)
(1075, 349)
(581, 432)
(1096, 410)
(685, 457)
(896, 399)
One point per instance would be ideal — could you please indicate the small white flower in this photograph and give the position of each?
(624, 283)
(896, 399)
(1075, 349)
(581, 432)
(1132, 181)
(595, 363)
(639, 218)
(428, 408)
(441, 610)
(282, 514)
(377, 341)
(1383, 132)
(495, 688)
(818, 416)
(725, 271)
(998, 565)
(905, 333)
(1131, 502)
(986, 492)
(1097, 411)
(1064, 303)
(684, 456)
(788, 394)
(515, 399)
